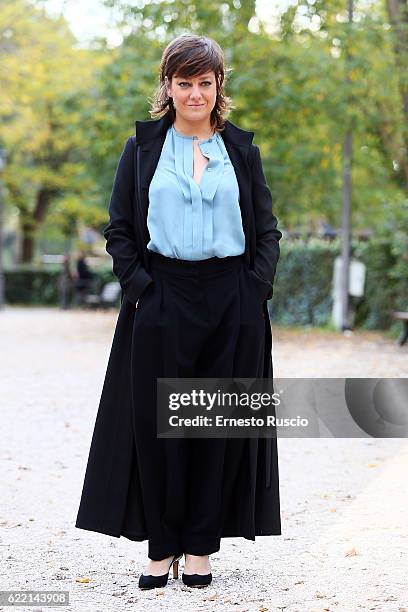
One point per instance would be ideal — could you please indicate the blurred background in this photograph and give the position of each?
(324, 86)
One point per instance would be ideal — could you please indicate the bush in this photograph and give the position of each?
(34, 285)
(303, 282)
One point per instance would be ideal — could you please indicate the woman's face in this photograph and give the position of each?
(194, 97)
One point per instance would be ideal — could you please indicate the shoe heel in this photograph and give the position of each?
(175, 569)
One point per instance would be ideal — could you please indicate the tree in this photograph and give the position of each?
(45, 83)
(398, 16)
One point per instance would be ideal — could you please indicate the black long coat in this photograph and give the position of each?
(111, 501)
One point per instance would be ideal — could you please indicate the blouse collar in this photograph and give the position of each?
(180, 135)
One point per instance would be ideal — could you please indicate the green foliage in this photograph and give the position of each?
(302, 288)
(290, 89)
(31, 285)
(386, 258)
(66, 112)
(303, 282)
(45, 82)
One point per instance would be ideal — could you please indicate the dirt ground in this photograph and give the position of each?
(344, 536)
(303, 353)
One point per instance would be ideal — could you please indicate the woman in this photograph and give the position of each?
(195, 247)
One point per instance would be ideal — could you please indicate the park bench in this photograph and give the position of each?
(402, 316)
(108, 296)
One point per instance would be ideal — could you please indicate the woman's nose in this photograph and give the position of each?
(196, 93)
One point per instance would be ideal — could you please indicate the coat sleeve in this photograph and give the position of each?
(119, 233)
(267, 235)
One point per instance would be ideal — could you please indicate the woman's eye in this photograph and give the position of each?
(204, 82)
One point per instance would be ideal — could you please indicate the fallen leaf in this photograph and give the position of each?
(352, 552)
(82, 580)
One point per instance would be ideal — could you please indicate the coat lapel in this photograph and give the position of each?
(150, 136)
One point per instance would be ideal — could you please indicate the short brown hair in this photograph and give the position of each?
(186, 56)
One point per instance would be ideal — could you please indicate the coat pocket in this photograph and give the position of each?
(144, 296)
(261, 286)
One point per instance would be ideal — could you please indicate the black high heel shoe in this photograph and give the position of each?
(154, 582)
(196, 580)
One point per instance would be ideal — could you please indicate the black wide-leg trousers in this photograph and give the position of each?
(199, 319)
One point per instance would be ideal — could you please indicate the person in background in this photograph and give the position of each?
(66, 284)
(84, 277)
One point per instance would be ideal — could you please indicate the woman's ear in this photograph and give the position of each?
(168, 89)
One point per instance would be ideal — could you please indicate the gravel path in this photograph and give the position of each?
(345, 532)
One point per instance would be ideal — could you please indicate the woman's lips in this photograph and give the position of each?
(195, 105)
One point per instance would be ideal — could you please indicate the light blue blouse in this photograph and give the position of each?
(194, 221)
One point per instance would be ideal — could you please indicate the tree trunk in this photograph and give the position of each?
(398, 16)
(30, 226)
(27, 243)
